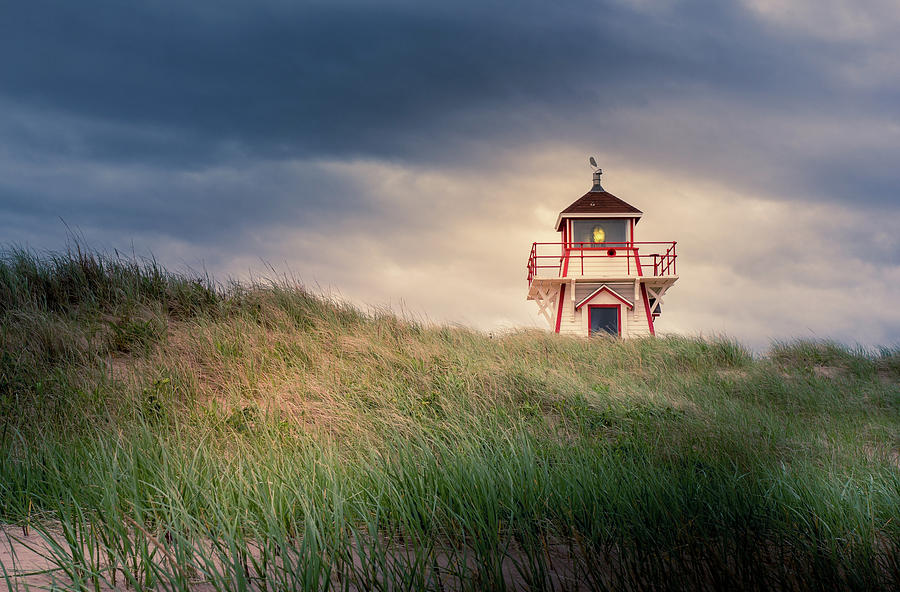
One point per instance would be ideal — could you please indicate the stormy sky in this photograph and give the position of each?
(408, 153)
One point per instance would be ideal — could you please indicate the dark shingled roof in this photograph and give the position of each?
(599, 202)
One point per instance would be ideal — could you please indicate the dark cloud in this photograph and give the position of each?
(203, 207)
(389, 79)
(187, 85)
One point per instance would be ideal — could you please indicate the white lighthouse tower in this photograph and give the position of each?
(598, 279)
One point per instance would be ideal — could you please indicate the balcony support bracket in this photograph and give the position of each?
(546, 301)
(657, 295)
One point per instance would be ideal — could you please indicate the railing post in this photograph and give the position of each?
(674, 269)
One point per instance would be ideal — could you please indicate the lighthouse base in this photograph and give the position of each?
(623, 307)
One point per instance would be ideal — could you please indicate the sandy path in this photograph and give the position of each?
(27, 563)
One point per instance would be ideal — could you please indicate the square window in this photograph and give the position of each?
(603, 319)
(599, 232)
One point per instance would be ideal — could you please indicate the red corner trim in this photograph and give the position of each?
(647, 308)
(562, 298)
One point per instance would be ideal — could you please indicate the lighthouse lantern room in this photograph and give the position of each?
(598, 279)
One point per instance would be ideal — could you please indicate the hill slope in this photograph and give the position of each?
(263, 437)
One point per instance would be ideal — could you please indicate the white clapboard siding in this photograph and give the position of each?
(639, 327)
(596, 263)
(570, 317)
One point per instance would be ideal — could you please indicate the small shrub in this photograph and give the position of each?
(245, 420)
(158, 400)
(129, 334)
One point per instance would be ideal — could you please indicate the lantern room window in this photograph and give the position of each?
(596, 232)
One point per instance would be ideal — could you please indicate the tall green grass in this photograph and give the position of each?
(164, 432)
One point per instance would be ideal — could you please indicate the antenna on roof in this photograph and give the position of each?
(597, 172)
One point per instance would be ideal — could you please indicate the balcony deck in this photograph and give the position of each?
(555, 263)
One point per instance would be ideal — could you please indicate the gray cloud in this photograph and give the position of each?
(284, 78)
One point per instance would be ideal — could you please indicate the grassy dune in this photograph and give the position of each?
(161, 432)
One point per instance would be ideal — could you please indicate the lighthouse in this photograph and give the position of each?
(598, 279)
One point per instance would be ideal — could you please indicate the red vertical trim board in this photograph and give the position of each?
(647, 309)
(563, 251)
(562, 298)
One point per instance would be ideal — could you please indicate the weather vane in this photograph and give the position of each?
(593, 162)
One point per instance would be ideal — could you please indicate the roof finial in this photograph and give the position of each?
(597, 172)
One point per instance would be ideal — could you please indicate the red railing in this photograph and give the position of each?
(569, 258)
